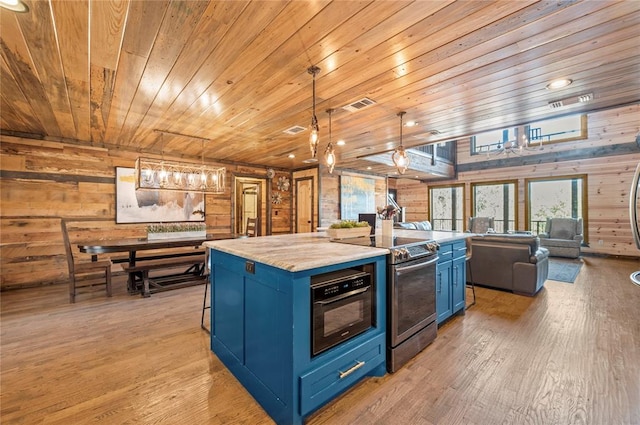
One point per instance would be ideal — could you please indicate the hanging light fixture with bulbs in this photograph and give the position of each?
(314, 136)
(329, 153)
(400, 157)
(159, 174)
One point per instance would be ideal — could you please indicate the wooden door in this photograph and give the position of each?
(248, 202)
(304, 205)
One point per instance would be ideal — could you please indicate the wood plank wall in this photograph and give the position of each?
(45, 180)
(608, 174)
(42, 181)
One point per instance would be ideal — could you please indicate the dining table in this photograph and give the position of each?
(133, 246)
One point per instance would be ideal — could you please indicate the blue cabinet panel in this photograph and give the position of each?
(443, 290)
(458, 287)
(267, 320)
(450, 279)
(228, 316)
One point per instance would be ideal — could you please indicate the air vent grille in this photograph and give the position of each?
(358, 105)
(295, 129)
(584, 98)
(555, 105)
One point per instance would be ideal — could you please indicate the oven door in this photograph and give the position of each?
(336, 319)
(412, 297)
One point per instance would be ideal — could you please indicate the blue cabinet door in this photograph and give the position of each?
(443, 290)
(458, 284)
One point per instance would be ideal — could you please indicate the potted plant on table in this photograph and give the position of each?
(348, 229)
(176, 231)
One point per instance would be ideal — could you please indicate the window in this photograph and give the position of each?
(497, 200)
(534, 134)
(492, 140)
(563, 129)
(447, 207)
(555, 197)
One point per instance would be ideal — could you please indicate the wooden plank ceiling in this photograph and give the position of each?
(235, 73)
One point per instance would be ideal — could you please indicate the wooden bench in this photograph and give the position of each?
(194, 274)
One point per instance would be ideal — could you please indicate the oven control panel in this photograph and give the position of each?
(340, 283)
(410, 252)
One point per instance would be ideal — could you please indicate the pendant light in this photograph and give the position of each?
(160, 174)
(400, 157)
(314, 137)
(329, 153)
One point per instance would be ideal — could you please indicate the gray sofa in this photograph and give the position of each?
(413, 225)
(513, 262)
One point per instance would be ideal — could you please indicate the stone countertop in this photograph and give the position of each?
(295, 252)
(305, 251)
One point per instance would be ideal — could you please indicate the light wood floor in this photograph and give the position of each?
(570, 355)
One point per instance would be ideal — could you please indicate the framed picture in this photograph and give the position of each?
(154, 206)
(357, 196)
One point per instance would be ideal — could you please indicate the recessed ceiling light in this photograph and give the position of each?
(14, 5)
(410, 123)
(291, 155)
(340, 143)
(368, 168)
(558, 84)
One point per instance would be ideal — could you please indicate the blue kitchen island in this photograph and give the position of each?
(261, 320)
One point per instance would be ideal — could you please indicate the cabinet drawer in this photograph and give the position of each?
(459, 249)
(324, 383)
(445, 253)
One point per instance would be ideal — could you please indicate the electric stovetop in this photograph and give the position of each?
(401, 249)
(380, 241)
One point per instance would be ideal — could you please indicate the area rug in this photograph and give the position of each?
(564, 270)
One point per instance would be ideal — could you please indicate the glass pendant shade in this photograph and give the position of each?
(314, 137)
(400, 157)
(329, 152)
(330, 157)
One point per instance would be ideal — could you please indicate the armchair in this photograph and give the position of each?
(562, 237)
(480, 224)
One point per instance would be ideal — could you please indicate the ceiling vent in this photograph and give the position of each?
(295, 129)
(583, 98)
(555, 105)
(358, 105)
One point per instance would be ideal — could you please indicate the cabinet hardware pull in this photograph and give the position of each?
(352, 369)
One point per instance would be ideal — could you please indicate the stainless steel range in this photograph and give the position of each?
(411, 295)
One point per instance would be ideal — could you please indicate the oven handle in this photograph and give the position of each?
(400, 269)
(343, 296)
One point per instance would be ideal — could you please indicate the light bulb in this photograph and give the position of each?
(330, 157)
